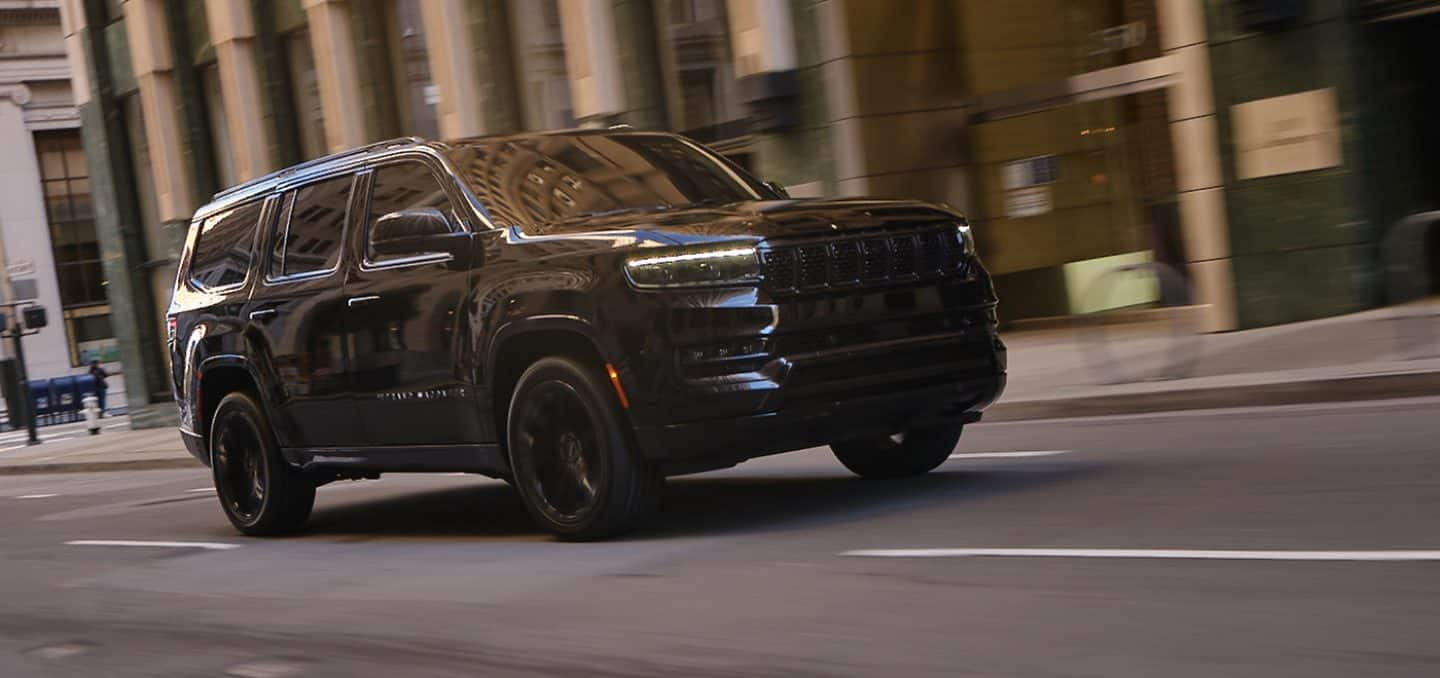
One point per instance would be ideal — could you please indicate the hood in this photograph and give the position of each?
(759, 219)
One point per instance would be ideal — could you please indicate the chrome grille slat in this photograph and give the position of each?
(867, 260)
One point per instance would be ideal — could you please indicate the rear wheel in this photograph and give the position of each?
(261, 493)
(910, 453)
(571, 457)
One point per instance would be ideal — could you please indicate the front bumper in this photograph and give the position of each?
(704, 445)
(830, 367)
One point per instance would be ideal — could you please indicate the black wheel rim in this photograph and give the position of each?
(240, 474)
(557, 452)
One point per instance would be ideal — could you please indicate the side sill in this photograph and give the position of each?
(487, 459)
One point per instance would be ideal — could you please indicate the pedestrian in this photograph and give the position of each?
(100, 385)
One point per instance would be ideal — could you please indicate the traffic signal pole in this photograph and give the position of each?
(28, 407)
(15, 334)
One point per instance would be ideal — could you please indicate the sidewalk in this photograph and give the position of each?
(1363, 356)
(70, 448)
(1383, 353)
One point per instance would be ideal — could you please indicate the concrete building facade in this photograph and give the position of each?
(48, 239)
(1238, 141)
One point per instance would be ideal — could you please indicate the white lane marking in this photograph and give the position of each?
(207, 545)
(46, 495)
(1166, 554)
(107, 427)
(12, 447)
(1008, 455)
(200, 489)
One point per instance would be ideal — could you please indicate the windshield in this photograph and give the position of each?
(537, 181)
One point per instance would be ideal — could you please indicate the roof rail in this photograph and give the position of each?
(368, 148)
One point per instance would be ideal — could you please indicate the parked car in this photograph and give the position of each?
(581, 313)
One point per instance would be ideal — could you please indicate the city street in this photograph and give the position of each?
(750, 571)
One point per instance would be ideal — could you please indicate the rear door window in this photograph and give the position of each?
(310, 229)
(221, 257)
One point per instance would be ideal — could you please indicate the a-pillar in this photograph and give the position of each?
(333, 46)
(232, 31)
(1199, 179)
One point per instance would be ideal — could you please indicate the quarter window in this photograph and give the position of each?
(222, 248)
(404, 186)
(310, 229)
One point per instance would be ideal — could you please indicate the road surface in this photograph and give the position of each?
(1241, 542)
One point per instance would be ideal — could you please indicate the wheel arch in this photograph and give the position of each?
(219, 376)
(519, 345)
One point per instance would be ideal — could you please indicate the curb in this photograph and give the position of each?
(1372, 387)
(92, 466)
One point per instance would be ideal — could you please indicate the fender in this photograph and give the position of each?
(214, 362)
(539, 323)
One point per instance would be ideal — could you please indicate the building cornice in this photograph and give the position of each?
(34, 68)
(19, 94)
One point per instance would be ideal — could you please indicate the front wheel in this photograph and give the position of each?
(912, 452)
(570, 455)
(260, 492)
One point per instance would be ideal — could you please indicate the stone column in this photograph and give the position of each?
(330, 38)
(151, 62)
(761, 36)
(592, 59)
(448, 44)
(1199, 181)
(232, 31)
(134, 312)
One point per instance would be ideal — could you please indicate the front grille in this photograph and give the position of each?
(864, 261)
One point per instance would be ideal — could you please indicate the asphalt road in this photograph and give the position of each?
(745, 574)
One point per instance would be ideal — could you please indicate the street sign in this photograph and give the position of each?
(23, 289)
(20, 268)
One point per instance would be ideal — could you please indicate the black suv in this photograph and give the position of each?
(582, 313)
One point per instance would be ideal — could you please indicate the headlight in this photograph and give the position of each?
(967, 239)
(692, 267)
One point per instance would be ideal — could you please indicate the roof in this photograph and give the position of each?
(264, 183)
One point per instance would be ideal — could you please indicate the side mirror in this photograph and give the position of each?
(419, 231)
(778, 189)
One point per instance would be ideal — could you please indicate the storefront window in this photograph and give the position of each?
(540, 57)
(305, 93)
(700, 73)
(65, 181)
(417, 92)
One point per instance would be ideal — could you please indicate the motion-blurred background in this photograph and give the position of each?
(1252, 162)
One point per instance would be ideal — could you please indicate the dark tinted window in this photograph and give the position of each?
(222, 251)
(404, 186)
(311, 228)
(537, 181)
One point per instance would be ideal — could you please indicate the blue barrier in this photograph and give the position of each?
(42, 399)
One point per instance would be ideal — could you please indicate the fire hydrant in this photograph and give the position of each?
(92, 414)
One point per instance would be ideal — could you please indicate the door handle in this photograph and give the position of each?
(361, 301)
(262, 313)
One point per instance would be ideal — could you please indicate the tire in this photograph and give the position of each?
(260, 492)
(571, 455)
(917, 452)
